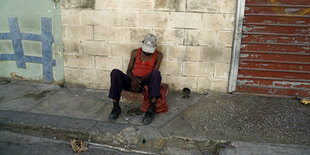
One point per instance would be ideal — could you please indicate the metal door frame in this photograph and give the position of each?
(234, 65)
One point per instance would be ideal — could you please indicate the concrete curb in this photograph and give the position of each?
(123, 136)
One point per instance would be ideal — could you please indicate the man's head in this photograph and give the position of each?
(149, 43)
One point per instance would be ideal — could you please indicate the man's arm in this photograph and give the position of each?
(134, 81)
(159, 57)
(133, 57)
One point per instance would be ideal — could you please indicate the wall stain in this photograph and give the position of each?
(15, 76)
(78, 4)
(87, 4)
(169, 4)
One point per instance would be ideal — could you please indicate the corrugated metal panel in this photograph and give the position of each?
(275, 48)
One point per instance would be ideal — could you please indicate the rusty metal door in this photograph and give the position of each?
(275, 48)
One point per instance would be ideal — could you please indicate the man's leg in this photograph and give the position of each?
(119, 81)
(153, 82)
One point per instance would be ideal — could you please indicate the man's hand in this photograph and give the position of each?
(135, 84)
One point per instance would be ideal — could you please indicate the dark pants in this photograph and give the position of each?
(120, 81)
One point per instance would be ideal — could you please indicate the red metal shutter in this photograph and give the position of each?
(275, 48)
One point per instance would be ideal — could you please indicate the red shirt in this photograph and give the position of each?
(143, 68)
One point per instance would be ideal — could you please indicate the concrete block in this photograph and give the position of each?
(180, 82)
(216, 54)
(139, 4)
(122, 50)
(96, 79)
(185, 20)
(225, 39)
(198, 69)
(78, 61)
(78, 4)
(228, 6)
(89, 76)
(153, 19)
(202, 5)
(184, 53)
(221, 70)
(193, 53)
(80, 32)
(219, 85)
(73, 75)
(95, 17)
(6, 47)
(208, 83)
(164, 50)
(64, 32)
(164, 78)
(109, 4)
(170, 5)
(200, 37)
(125, 64)
(123, 18)
(31, 47)
(175, 36)
(71, 46)
(108, 63)
(70, 17)
(63, 5)
(95, 48)
(97, 86)
(107, 33)
(204, 84)
(134, 34)
(171, 67)
(103, 77)
(176, 52)
(218, 21)
(96, 76)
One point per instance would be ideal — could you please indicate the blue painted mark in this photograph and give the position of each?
(33, 37)
(32, 59)
(4, 57)
(4, 35)
(47, 48)
(46, 38)
(17, 42)
(38, 60)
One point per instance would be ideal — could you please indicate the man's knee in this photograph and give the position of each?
(155, 73)
(115, 72)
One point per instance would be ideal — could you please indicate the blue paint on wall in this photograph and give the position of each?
(46, 38)
(4, 35)
(33, 37)
(16, 37)
(7, 57)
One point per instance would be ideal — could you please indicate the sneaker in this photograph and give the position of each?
(116, 111)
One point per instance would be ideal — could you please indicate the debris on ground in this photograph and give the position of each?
(186, 92)
(135, 111)
(78, 146)
(305, 100)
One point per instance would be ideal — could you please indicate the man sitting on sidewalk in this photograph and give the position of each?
(143, 69)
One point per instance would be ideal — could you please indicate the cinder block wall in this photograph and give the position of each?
(195, 37)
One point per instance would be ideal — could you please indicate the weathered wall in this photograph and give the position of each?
(25, 52)
(195, 37)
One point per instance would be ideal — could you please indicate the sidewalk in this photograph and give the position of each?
(202, 124)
